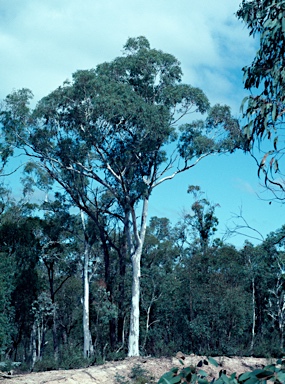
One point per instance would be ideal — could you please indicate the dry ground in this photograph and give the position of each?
(107, 373)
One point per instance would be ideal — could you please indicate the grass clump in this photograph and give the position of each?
(138, 375)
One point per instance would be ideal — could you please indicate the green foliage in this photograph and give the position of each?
(138, 375)
(117, 117)
(6, 310)
(110, 128)
(48, 363)
(70, 357)
(196, 375)
(265, 78)
(8, 365)
(193, 298)
(120, 379)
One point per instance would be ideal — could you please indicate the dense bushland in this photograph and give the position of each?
(199, 294)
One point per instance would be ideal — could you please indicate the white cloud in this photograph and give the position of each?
(43, 43)
(245, 186)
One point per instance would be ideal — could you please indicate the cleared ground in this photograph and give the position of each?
(110, 371)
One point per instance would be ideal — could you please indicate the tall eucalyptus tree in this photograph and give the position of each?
(116, 126)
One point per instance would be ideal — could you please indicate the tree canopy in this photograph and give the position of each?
(111, 124)
(119, 127)
(265, 78)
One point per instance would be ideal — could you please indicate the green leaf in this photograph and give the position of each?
(169, 378)
(283, 24)
(245, 376)
(275, 143)
(274, 110)
(242, 103)
(253, 380)
(213, 361)
(276, 166)
(281, 376)
(265, 121)
(225, 379)
(233, 375)
(202, 373)
(265, 374)
(267, 23)
(218, 381)
(202, 381)
(186, 371)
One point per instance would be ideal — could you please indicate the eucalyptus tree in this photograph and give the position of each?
(117, 126)
(200, 222)
(265, 79)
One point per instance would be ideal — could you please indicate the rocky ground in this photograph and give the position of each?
(120, 371)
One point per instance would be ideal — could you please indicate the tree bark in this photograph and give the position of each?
(33, 346)
(135, 307)
(123, 254)
(139, 237)
(87, 342)
(86, 330)
(253, 315)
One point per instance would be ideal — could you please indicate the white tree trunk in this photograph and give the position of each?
(86, 330)
(33, 346)
(135, 307)
(139, 236)
(87, 341)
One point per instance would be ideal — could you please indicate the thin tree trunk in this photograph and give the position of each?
(148, 309)
(54, 334)
(33, 346)
(40, 339)
(86, 330)
(253, 316)
(121, 303)
(50, 268)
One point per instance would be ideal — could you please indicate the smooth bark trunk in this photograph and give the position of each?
(33, 346)
(135, 307)
(86, 330)
(139, 236)
(123, 254)
(87, 340)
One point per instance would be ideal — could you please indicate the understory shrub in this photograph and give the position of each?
(138, 375)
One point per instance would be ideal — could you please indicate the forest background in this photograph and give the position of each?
(198, 292)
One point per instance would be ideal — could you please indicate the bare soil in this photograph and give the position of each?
(156, 367)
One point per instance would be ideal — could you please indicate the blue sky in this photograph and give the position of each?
(43, 42)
